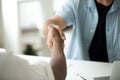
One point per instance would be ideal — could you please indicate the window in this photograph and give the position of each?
(30, 14)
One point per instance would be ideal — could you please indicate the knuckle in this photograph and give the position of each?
(49, 43)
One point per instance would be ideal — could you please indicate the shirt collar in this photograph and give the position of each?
(115, 6)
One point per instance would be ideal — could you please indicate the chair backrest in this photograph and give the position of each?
(13, 67)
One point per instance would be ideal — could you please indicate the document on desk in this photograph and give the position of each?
(87, 70)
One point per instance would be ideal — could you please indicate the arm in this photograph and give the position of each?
(56, 22)
(58, 61)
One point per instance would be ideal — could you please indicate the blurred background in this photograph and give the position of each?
(21, 24)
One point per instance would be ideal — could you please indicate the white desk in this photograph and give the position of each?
(76, 69)
(87, 69)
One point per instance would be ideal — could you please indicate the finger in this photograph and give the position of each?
(49, 44)
(62, 35)
(49, 41)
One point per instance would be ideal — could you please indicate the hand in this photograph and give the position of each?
(54, 38)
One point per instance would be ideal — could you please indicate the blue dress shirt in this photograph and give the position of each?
(83, 15)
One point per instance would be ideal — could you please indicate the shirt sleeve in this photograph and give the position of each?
(66, 12)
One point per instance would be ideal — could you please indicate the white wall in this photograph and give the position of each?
(1, 28)
(10, 23)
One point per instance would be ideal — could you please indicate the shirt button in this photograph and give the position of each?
(95, 14)
(91, 31)
(108, 29)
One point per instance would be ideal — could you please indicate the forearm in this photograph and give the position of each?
(58, 64)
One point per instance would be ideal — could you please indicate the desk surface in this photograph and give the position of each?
(87, 70)
(77, 69)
